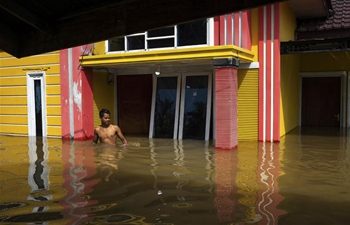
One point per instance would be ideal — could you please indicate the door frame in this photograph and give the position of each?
(180, 98)
(31, 77)
(343, 92)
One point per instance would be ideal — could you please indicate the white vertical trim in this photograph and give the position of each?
(233, 28)
(272, 71)
(153, 106)
(225, 28)
(207, 122)
(31, 106)
(43, 105)
(70, 85)
(240, 29)
(264, 76)
(182, 105)
(211, 33)
(176, 122)
(175, 36)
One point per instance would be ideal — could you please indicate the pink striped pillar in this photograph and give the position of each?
(226, 89)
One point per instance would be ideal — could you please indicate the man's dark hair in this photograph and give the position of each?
(103, 111)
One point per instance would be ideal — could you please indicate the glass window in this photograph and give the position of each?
(193, 33)
(187, 34)
(136, 42)
(116, 44)
(161, 43)
(161, 32)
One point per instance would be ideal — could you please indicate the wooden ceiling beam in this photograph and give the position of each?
(124, 19)
(26, 16)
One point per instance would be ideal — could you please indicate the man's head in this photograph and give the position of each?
(104, 111)
(105, 117)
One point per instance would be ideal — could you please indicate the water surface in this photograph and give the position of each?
(304, 179)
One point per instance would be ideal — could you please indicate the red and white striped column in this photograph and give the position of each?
(269, 73)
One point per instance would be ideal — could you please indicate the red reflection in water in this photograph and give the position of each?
(78, 165)
(226, 172)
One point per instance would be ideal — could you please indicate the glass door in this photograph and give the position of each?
(195, 107)
(165, 104)
(181, 107)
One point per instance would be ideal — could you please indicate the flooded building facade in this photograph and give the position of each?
(226, 78)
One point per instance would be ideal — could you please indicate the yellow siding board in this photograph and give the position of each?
(52, 79)
(14, 129)
(51, 120)
(54, 131)
(53, 100)
(53, 110)
(11, 119)
(13, 81)
(10, 110)
(6, 55)
(248, 81)
(22, 70)
(34, 61)
(13, 100)
(9, 91)
(22, 100)
(53, 89)
(22, 80)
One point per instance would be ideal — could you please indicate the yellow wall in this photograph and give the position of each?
(287, 23)
(290, 93)
(289, 100)
(248, 95)
(103, 96)
(13, 92)
(328, 61)
(99, 48)
(254, 29)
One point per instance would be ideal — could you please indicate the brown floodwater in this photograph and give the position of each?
(304, 179)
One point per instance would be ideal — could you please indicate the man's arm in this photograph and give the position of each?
(96, 137)
(120, 135)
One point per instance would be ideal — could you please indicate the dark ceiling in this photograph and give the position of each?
(37, 26)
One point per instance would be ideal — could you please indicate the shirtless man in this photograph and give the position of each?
(107, 133)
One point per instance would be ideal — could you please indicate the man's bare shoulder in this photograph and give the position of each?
(115, 127)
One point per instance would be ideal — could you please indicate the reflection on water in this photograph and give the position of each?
(304, 179)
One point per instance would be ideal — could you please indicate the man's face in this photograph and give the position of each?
(105, 120)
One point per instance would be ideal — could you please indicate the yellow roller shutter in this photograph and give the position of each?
(248, 93)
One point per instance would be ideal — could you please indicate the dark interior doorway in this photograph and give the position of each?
(321, 101)
(134, 96)
(38, 108)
